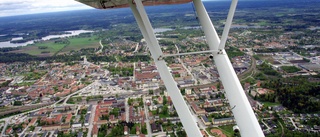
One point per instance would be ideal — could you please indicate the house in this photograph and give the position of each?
(137, 130)
(65, 126)
(80, 134)
(51, 127)
(33, 121)
(76, 125)
(188, 91)
(95, 131)
(155, 127)
(205, 120)
(125, 131)
(68, 118)
(196, 109)
(9, 131)
(113, 119)
(87, 118)
(89, 109)
(160, 100)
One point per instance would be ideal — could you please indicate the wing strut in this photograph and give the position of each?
(144, 24)
(243, 113)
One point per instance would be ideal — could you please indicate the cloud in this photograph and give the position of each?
(20, 7)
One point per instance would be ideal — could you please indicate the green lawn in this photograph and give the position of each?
(263, 23)
(270, 104)
(290, 69)
(77, 43)
(227, 130)
(50, 48)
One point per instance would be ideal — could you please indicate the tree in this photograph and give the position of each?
(165, 110)
(165, 100)
(17, 103)
(183, 91)
(150, 92)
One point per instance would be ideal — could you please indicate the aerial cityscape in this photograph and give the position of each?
(89, 73)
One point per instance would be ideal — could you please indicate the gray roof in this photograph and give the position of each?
(224, 119)
(205, 119)
(80, 134)
(87, 118)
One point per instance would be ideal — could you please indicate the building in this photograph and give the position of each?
(125, 131)
(223, 121)
(196, 109)
(155, 127)
(188, 91)
(205, 120)
(86, 121)
(76, 125)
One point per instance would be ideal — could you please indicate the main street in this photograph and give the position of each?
(146, 111)
(79, 91)
(93, 111)
(189, 72)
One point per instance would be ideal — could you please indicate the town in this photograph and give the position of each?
(103, 82)
(121, 99)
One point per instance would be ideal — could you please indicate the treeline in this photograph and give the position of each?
(234, 52)
(135, 58)
(271, 50)
(121, 71)
(267, 69)
(295, 93)
(22, 57)
(7, 49)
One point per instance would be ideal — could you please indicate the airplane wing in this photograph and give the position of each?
(106, 4)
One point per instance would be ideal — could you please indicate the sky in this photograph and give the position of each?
(21, 7)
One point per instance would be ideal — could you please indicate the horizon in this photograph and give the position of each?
(8, 8)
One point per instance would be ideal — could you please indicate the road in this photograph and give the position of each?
(127, 109)
(266, 125)
(86, 88)
(295, 126)
(100, 42)
(24, 130)
(147, 117)
(252, 69)
(281, 128)
(5, 126)
(189, 72)
(136, 49)
(93, 111)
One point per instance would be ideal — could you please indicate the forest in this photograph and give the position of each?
(297, 90)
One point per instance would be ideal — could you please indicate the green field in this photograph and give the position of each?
(77, 43)
(270, 104)
(50, 48)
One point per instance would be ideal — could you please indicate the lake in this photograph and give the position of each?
(70, 33)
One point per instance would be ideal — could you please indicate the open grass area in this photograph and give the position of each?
(270, 104)
(47, 48)
(77, 43)
(227, 130)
